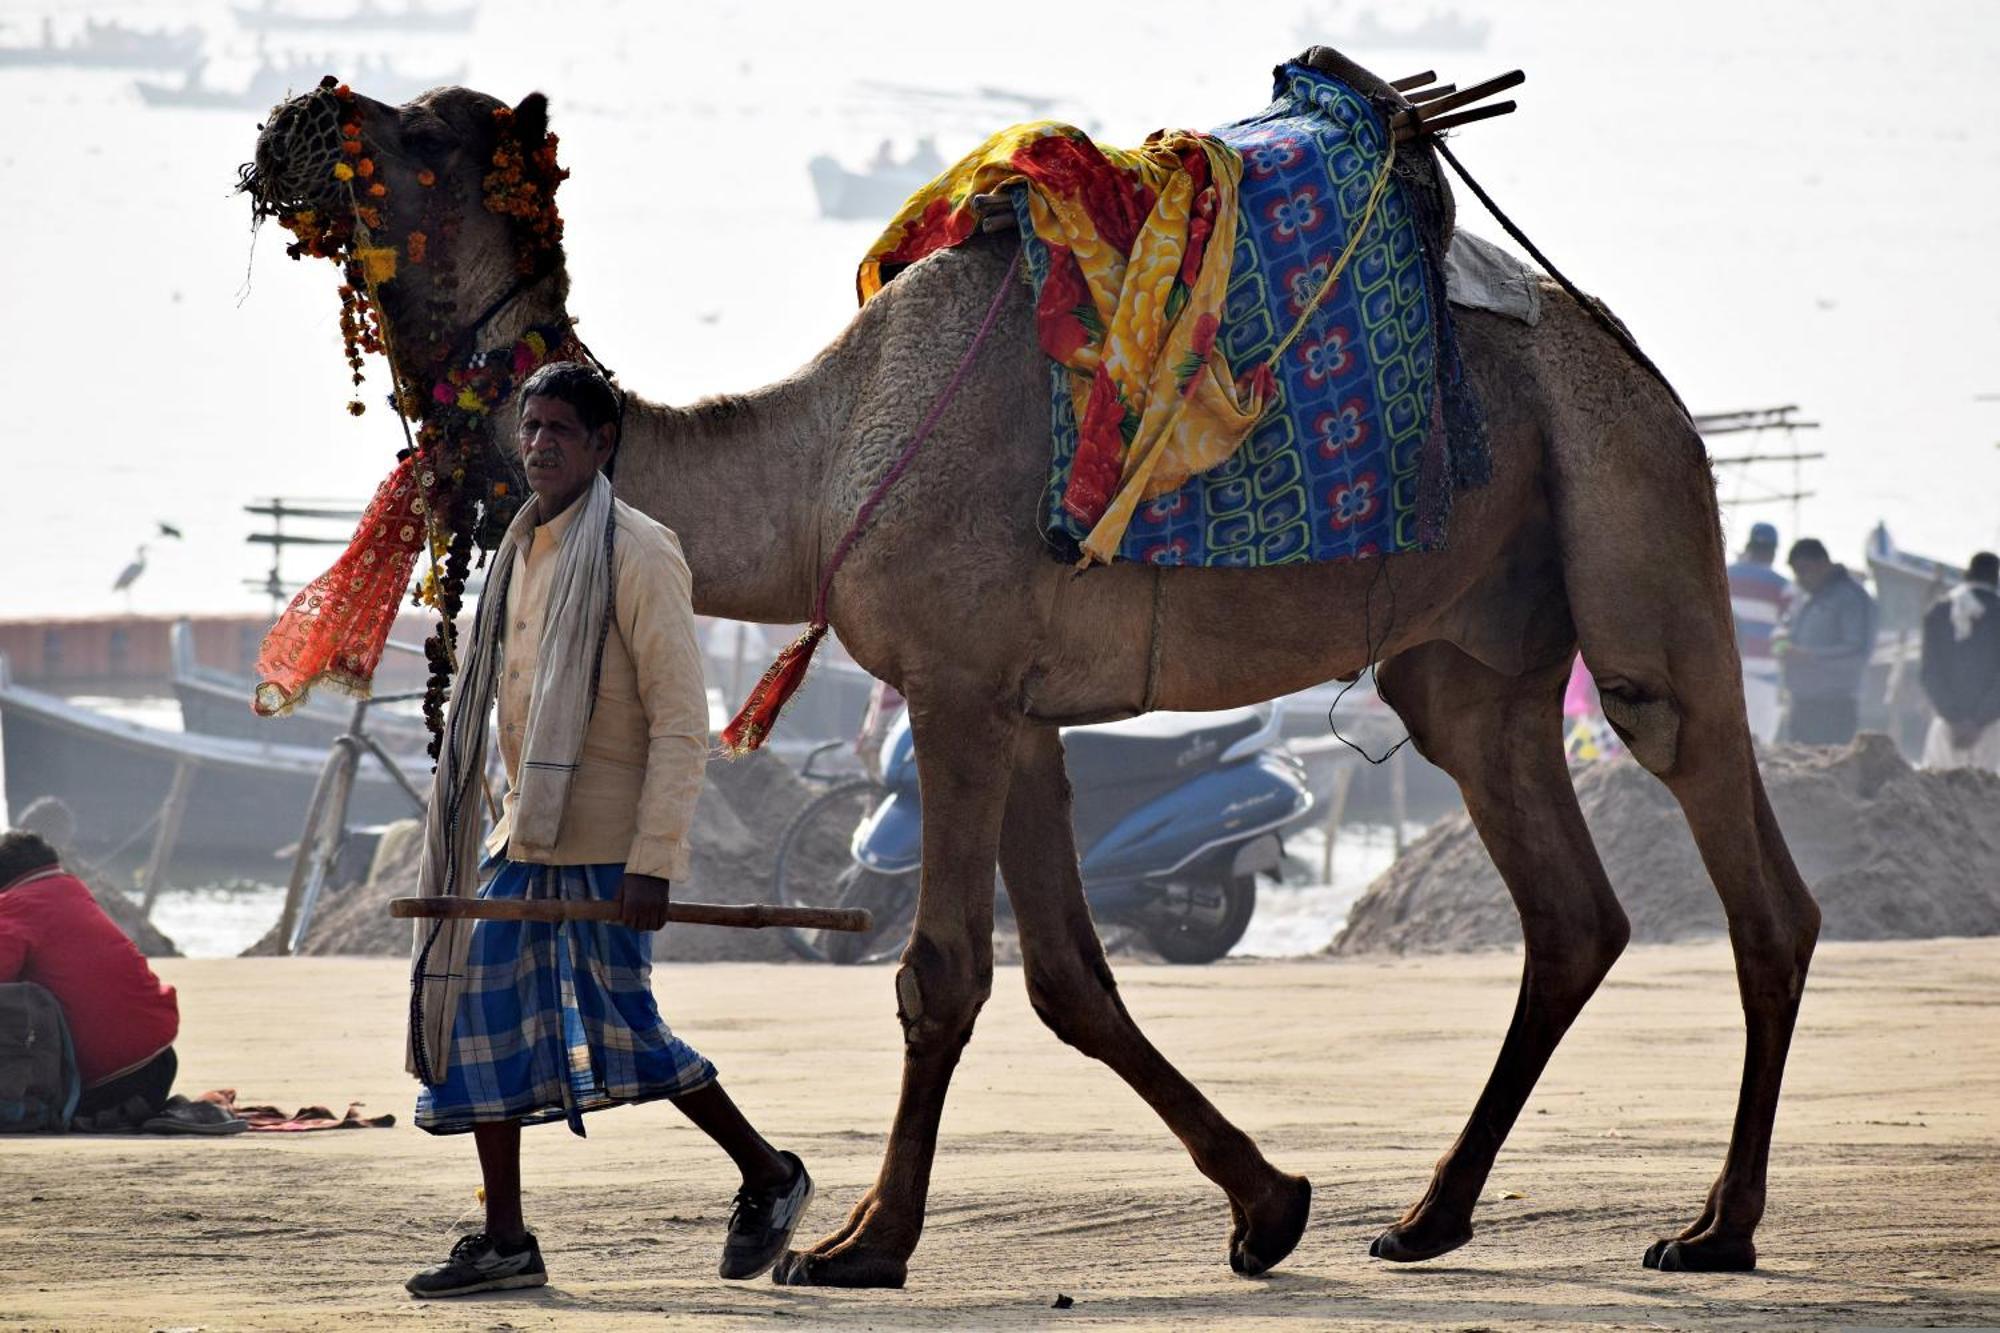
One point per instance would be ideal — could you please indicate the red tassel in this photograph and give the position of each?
(753, 722)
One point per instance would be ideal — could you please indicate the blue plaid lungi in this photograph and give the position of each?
(556, 1020)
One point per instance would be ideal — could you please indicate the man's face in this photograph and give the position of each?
(1811, 571)
(558, 454)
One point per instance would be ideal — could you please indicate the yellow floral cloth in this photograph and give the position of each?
(1139, 245)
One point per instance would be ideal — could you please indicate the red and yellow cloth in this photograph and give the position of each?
(1140, 243)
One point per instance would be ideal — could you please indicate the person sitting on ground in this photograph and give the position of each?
(1961, 671)
(586, 637)
(1824, 646)
(122, 1019)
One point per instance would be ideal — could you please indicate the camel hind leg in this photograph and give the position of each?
(1653, 620)
(1071, 988)
(1500, 738)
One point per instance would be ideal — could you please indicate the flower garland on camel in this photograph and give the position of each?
(448, 492)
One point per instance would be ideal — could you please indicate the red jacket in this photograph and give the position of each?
(53, 933)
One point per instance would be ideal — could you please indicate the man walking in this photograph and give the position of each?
(1759, 596)
(586, 637)
(1961, 671)
(1823, 647)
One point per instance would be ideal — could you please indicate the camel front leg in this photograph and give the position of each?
(1071, 988)
(965, 746)
(1500, 738)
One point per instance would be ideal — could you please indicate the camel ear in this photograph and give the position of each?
(531, 118)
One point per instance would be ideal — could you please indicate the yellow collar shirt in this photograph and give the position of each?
(633, 794)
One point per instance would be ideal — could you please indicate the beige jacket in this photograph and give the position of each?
(639, 774)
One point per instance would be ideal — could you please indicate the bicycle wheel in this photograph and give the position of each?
(816, 868)
(319, 846)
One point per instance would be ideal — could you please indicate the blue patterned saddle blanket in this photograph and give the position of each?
(1374, 426)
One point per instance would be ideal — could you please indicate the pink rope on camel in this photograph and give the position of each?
(753, 722)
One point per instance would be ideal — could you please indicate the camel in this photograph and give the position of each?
(1598, 529)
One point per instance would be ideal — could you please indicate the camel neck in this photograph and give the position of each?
(739, 479)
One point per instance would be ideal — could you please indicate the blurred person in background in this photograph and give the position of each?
(122, 1019)
(1961, 671)
(1823, 645)
(1759, 596)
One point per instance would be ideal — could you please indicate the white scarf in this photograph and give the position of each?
(1966, 607)
(580, 609)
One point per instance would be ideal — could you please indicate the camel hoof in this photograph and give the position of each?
(1702, 1256)
(1413, 1244)
(1254, 1249)
(845, 1268)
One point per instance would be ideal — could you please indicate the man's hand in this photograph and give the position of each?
(642, 901)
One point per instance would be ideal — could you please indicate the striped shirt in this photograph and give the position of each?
(1759, 596)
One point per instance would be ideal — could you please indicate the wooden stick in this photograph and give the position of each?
(1477, 92)
(1404, 85)
(746, 916)
(1454, 121)
(1423, 95)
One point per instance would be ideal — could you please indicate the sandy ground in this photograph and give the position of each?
(1054, 1178)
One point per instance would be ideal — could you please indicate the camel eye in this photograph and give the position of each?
(430, 139)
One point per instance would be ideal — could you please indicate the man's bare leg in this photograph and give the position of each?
(499, 1144)
(714, 1114)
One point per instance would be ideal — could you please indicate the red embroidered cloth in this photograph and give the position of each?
(334, 631)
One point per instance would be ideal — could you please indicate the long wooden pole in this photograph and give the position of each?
(745, 916)
(170, 832)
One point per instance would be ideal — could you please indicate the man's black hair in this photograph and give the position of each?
(22, 852)
(582, 387)
(1985, 568)
(1807, 548)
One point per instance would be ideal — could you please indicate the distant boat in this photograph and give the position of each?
(1905, 584)
(272, 84)
(412, 17)
(245, 799)
(877, 193)
(110, 45)
(1446, 31)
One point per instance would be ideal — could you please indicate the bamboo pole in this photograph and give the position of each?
(170, 832)
(1477, 92)
(743, 916)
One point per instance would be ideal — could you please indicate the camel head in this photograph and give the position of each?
(440, 215)
(439, 211)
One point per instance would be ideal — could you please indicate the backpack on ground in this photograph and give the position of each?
(39, 1085)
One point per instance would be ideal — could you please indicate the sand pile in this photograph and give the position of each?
(745, 805)
(1890, 852)
(132, 920)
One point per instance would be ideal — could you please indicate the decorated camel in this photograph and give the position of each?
(1597, 529)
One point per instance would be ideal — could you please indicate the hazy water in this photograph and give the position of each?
(1788, 202)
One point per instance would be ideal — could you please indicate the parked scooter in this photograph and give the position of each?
(1176, 815)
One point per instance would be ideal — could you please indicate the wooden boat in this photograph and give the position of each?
(272, 84)
(243, 799)
(110, 45)
(366, 16)
(217, 703)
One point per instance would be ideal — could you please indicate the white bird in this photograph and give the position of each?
(130, 574)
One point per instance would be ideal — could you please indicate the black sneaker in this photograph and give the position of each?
(480, 1264)
(762, 1222)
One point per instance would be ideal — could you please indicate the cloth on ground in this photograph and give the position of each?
(200, 1115)
(556, 1021)
(1167, 280)
(307, 1119)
